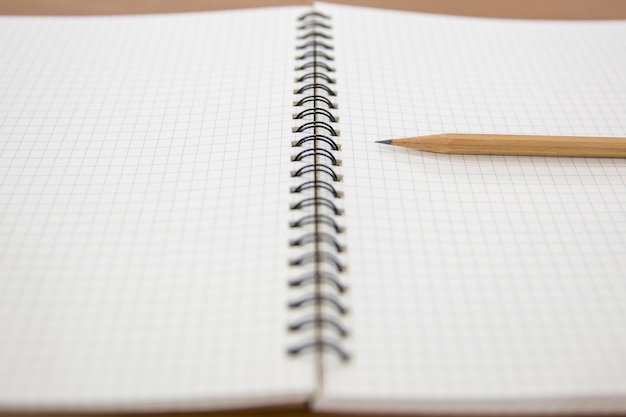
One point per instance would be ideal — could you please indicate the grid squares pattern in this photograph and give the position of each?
(478, 278)
(144, 175)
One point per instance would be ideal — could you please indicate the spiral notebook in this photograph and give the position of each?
(194, 214)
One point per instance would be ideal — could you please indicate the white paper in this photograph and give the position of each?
(144, 205)
(483, 283)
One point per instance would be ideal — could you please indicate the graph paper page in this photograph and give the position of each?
(479, 282)
(144, 203)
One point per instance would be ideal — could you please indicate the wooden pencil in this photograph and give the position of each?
(487, 144)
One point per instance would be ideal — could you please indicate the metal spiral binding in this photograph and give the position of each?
(316, 159)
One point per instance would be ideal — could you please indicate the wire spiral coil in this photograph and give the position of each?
(316, 162)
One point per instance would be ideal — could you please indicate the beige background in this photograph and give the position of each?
(548, 9)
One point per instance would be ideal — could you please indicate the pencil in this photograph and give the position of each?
(487, 144)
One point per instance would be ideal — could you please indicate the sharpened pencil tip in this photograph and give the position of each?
(386, 142)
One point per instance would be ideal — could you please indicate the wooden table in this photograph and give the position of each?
(538, 9)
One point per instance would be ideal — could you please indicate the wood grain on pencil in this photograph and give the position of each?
(487, 144)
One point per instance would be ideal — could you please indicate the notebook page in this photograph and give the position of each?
(480, 283)
(144, 177)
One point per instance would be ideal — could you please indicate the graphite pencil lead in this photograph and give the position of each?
(387, 142)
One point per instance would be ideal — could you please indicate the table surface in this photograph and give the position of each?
(538, 9)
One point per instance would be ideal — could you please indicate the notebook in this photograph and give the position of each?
(194, 214)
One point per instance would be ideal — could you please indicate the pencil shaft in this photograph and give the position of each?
(487, 144)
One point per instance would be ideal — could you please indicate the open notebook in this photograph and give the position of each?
(187, 222)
